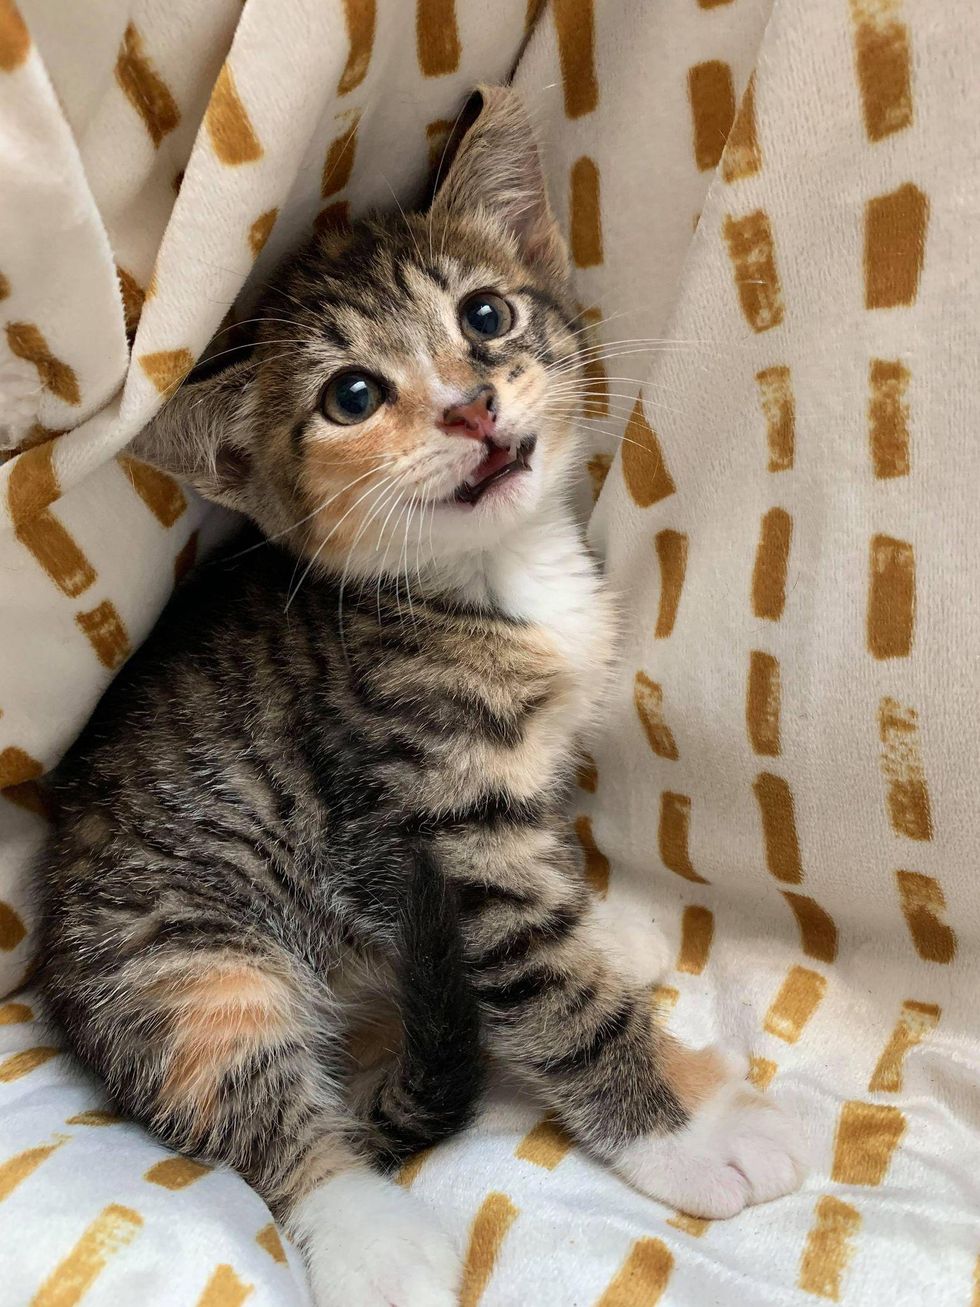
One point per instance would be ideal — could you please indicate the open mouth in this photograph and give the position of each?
(499, 464)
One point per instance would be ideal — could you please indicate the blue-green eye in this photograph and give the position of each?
(351, 397)
(484, 316)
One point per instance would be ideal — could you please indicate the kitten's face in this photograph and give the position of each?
(414, 387)
(418, 393)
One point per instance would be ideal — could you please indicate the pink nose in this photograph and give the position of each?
(476, 418)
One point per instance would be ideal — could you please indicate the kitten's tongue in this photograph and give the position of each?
(491, 465)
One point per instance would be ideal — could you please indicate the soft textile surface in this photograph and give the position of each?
(784, 780)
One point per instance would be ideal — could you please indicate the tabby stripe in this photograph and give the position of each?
(515, 993)
(610, 1030)
(517, 946)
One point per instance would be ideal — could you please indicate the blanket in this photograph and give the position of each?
(773, 209)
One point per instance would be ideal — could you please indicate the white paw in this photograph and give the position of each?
(635, 947)
(369, 1243)
(739, 1148)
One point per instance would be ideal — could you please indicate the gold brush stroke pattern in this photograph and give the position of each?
(663, 999)
(233, 137)
(22, 1063)
(335, 217)
(269, 1241)
(923, 906)
(916, 1021)
(779, 410)
(742, 156)
(778, 813)
(673, 835)
(884, 73)
(697, 932)
(695, 1226)
(408, 1172)
(713, 4)
(829, 1247)
(186, 557)
(532, 13)
(598, 467)
(26, 341)
(587, 777)
(798, 998)
(575, 26)
(12, 929)
(596, 403)
(158, 491)
(68, 1283)
(865, 1142)
(339, 163)
(771, 565)
(167, 368)
(14, 1014)
(104, 629)
(260, 231)
(19, 773)
(437, 135)
(648, 699)
(888, 418)
(437, 37)
(891, 598)
(546, 1145)
(144, 88)
(894, 246)
(4, 283)
(671, 549)
(224, 1289)
(15, 40)
(818, 933)
(753, 256)
(361, 17)
(133, 296)
(642, 1278)
(901, 766)
(711, 93)
(761, 1072)
(585, 221)
(16, 1169)
(644, 470)
(596, 862)
(487, 1234)
(94, 1116)
(33, 485)
(762, 703)
(176, 1172)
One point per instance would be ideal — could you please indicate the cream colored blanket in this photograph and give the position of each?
(786, 195)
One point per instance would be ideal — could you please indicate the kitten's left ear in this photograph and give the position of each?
(497, 171)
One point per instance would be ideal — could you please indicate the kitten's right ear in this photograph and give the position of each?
(203, 435)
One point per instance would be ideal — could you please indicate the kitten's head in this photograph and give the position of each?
(413, 390)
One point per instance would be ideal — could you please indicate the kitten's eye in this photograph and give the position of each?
(351, 397)
(485, 315)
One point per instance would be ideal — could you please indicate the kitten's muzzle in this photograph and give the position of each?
(475, 417)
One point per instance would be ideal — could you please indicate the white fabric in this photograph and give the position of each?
(864, 1018)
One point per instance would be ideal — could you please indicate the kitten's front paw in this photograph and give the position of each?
(369, 1243)
(737, 1149)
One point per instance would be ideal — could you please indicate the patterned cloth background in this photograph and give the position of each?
(786, 195)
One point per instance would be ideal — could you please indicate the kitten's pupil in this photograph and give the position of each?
(485, 315)
(351, 397)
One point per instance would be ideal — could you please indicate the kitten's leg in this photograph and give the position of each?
(227, 1057)
(683, 1126)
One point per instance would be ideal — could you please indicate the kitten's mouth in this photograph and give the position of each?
(500, 463)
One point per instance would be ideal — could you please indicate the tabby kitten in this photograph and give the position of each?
(334, 778)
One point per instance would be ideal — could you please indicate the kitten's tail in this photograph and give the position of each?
(433, 1088)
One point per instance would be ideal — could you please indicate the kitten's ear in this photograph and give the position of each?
(203, 435)
(497, 170)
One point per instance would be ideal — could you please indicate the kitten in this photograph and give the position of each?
(335, 776)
